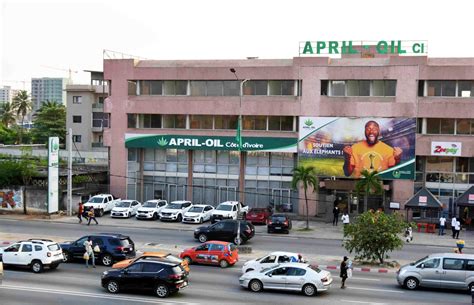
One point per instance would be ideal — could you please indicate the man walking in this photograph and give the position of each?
(335, 212)
(80, 211)
(457, 229)
(453, 225)
(343, 273)
(89, 251)
(91, 215)
(442, 224)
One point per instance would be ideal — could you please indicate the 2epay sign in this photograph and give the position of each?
(446, 148)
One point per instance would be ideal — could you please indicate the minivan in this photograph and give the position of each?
(441, 270)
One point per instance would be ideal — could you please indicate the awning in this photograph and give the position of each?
(423, 199)
(467, 198)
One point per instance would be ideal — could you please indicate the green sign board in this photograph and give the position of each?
(358, 47)
(210, 142)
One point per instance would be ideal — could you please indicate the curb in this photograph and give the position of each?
(363, 269)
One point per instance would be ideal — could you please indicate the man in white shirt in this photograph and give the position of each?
(453, 225)
(345, 218)
(457, 229)
(442, 224)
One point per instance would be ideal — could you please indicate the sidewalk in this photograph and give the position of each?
(319, 229)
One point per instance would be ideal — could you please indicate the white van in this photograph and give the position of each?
(441, 270)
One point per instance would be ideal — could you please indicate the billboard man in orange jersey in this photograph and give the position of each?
(370, 154)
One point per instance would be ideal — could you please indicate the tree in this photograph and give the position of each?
(370, 183)
(49, 121)
(305, 176)
(374, 234)
(22, 105)
(7, 114)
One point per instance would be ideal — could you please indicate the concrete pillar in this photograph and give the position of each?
(189, 193)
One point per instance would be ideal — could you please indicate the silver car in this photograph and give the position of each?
(288, 276)
(441, 270)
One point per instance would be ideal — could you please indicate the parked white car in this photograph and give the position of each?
(151, 209)
(229, 210)
(199, 213)
(271, 260)
(175, 210)
(125, 208)
(289, 276)
(34, 254)
(101, 203)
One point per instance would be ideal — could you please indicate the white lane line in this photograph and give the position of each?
(90, 295)
(360, 302)
(375, 289)
(365, 279)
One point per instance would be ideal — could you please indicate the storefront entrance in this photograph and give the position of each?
(281, 199)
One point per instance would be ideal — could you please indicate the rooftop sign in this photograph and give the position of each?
(399, 47)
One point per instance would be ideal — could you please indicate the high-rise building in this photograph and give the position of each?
(7, 94)
(46, 88)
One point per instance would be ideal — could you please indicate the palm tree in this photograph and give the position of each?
(7, 114)
(22, 105)
(370, 183)
(305, 176)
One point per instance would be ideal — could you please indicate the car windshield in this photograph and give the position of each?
(278, 218)
(150, 204)
(315, 268)
(175, 206)
(54, 247)
(257, 211)
(196, 209)
(96, 200)
(419, 261)
(173, 259)
(224, 207)
(123, 204)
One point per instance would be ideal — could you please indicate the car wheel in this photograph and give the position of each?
(309, 290)
(223, 263)
(180, 218)
(269, 231)
(155, 216)
(287, 231)
(162, 290)
(239, 242)
(36, 266)
(101, 212)
(67, 257)
(411, 283)
(248, 270)
(53, 266)
(471, 286)
(200, 220)
(255, 286)
(188, 260)
(113, 286)
(202, 238)
(107, 260)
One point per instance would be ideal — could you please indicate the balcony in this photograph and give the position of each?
(98, 107)
(97, 144)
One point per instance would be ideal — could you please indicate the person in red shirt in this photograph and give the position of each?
(80, 211)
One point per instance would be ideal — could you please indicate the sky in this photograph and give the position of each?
(48, 38)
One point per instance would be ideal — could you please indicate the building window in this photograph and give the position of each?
(77, 99)
(280, 123)
(281, 87)
(175, 87)
(76, 138)
(132, 87)
(257, 122)
(77, 119)
(174, 121)
(225, 121)
(466, 88)
(359, 87)
(446, 88)
(149, 121)
(200, 121)
(131, 120)
(255, 87)
(449, 126)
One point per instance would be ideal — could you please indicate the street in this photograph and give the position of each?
(74, 284)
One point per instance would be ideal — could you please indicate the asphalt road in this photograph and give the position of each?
(263, 242)
(74, 284)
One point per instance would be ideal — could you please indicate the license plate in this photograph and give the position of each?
(277, 228)
(183, 284)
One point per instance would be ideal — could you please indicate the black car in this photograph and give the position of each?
(279, 222)
(113, 247)
(159, 276)
(225, 230)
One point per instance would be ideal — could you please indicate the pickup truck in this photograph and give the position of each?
(101, 203)
(229, 210)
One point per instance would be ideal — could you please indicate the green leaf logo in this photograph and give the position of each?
(162, 142)
(308, 122)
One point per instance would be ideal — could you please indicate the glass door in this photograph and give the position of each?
(281, 199)
(227, 193)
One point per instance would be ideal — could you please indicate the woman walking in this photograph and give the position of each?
(343, 273)
(91, 214)
(89, 252)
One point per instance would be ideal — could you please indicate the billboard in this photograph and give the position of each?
(344, 147)
(53, 174)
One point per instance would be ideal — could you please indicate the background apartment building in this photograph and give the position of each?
(46, 88)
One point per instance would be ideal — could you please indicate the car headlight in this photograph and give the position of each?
(196, 230)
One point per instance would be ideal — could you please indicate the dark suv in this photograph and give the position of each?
(113, 247)
(279, 222)
(160, 276)
(225, 230)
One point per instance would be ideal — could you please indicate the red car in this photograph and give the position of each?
(219, 253)
(258, 215)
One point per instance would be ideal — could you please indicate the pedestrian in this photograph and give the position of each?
(91, 214)
(460, 245)
(89, 254)
(442, 224)
(335, 212)
(80, 211)
(345, 218)
(457, 229)
(343, 273)
(408, 234)
(453, 225)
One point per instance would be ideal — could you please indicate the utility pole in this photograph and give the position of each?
(69, 173)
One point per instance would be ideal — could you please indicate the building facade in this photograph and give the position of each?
(172, 131)
(85, 114)
(46, 88)
(7, 94)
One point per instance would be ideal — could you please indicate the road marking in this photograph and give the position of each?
(360, 302)
(91, 295)
(374, 289)
(365, 279)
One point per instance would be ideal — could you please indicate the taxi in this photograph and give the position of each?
(168, 256)
(220, 253)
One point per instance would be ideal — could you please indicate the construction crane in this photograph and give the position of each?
(69, 70)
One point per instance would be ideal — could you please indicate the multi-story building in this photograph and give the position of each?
(172, 130)
(85, 113)
(46, 88)
(7, 94)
